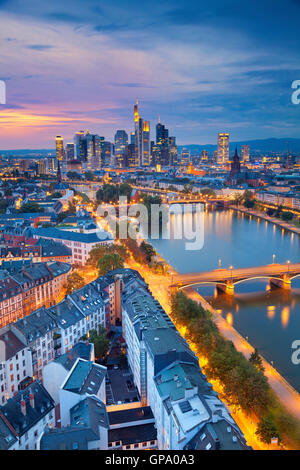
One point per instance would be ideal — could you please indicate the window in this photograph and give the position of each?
(208, 446)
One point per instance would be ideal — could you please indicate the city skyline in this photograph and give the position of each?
(209, 69)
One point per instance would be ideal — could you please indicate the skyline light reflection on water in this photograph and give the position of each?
(270, 318)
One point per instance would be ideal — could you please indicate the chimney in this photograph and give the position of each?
(23, 406)
(31, 399)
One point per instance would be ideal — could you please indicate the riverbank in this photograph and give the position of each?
(262, 215)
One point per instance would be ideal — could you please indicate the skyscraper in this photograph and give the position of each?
(59, 144)
(121, 148)
(70, 151)
(185, 157)
(80, 146)
(173, 151)
(204, 156)
(141, 139)
(162, 142)
(246, 153)
(223, 148)
(94, 152)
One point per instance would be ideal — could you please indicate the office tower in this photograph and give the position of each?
(94, 152)
(51, 165)
(43, 166)
(70, 151)
(173, 151)
(146, 143)
(80, 145)
(121, 148)
(141, 139)
(245, 153)
(223, 148)
(132, 138)
(162, 142)
(106, 152)
(185, 157)
(204, 156)
(131, 160)
(59, 143)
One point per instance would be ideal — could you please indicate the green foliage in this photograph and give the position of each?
(112, 192)
(30, 207)
(148, 250)
(287, 216)
(256, 360)
(100, 250)
(73, 175)
(267, 429)
(74, 282)
(55, 195)
(207, 192)
(89, 176)
(3, 205)
(109, 262)
(100, 341)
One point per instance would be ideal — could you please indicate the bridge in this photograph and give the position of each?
(280, 275)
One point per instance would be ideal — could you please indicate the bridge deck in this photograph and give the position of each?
(235, 275)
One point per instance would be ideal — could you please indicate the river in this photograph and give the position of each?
(268, 318)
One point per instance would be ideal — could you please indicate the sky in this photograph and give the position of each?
(203, 66)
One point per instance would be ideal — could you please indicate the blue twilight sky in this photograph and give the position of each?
(205, 67)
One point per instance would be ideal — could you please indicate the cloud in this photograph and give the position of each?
(39, 47)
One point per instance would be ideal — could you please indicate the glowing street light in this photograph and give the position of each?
(274, 256)
(288, 263)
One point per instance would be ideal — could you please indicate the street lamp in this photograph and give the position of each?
(231, 268)
(274, 256)
(220, 263)
(288, 263)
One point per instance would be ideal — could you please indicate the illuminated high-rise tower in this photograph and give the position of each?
(141, 139)
(245, 153)
(59, 144)
(121, 148)
(223, 148)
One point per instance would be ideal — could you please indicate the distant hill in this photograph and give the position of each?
(256, 146)
(27, 152)
(271, 145)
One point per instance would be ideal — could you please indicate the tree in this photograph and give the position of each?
(109, 262)
(100, 250)
(3, 205)
(207, 192)
(267, 429)
(56, 195)
(256, 360)
(89, 176)
(100, 341)
(30, 207)
(287, 216)
(74, 282)
(73, 175)
(148, 250)
(238, 199)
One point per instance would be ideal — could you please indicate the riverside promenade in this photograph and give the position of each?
(265, 216)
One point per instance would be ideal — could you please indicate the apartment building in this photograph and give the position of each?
(15, 362)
